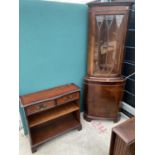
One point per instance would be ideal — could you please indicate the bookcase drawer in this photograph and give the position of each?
(68, 98)
(40, 106)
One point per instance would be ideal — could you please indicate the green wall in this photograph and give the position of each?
(53, 45)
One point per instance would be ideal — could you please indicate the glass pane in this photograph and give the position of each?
(107, 41)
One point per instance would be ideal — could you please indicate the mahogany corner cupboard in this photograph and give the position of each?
(104, 84)
(51, 112)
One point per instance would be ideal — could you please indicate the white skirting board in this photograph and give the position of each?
(128, 108)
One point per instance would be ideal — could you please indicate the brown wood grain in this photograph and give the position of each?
(126, 130)
(102, 98)
(68, 98)
(53, 129)
(123, 138)
(51, 114)
(40, 107)
(104, 84)
(48, 93)
(92, 38)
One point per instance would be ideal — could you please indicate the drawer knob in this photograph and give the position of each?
(42, 106)
(69, 97)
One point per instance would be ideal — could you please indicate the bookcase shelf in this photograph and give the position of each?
(56, 127)
(51, 114)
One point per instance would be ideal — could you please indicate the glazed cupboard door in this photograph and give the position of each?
(107, 32)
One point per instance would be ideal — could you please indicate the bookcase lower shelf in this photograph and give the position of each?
(54, 128)
(47, 125)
